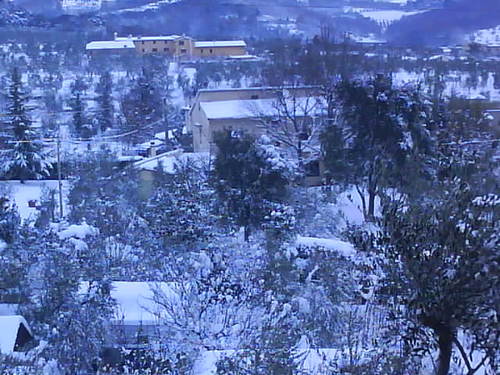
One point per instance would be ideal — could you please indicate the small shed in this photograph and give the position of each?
(14, 333)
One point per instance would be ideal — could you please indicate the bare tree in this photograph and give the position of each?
(293, 119)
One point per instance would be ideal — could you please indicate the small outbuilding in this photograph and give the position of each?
(15, 333)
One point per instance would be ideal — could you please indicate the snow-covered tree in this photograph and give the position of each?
(382, 139)
(141, 107)
(105, 115)
(25, 157)
(82, 125)
(247, 177)
(443, 266)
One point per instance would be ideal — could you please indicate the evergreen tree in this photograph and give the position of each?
(105, 113)
(81, 123)
(247, 177)
(382, 140)
(12, 260)
(25, 157)
(141, 107)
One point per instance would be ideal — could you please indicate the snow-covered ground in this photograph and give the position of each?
(22, 194)
(456, 84)
(153, 5)
(486, 36)
(382, 17)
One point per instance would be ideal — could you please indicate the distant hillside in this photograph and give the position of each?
(45, 7)
(447, 25)
(12, 15)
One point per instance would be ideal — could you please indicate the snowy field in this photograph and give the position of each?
(22, 194)
(486, 36)
(382, 17)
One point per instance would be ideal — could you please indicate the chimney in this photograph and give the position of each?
(115, 35)
(152, 150)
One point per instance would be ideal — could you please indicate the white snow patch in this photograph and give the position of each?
(21, 194)
(79, 231)
(343, 248)
(135, 304)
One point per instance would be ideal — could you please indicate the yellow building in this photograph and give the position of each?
(220, 48)
(171, 45)
(178, 46)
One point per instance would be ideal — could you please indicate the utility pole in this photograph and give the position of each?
(59, 174)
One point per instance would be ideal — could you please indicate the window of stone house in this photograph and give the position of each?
(254, 97)
(165, 50)
(183, 50)
(201, 51)
(181, 43)
(143, 42)
(154, 41)
(143, 50)
(155, 49)
(211, 51)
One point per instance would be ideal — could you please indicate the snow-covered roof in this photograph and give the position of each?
(255, 108)
(110, 44)
(150, 38)
(220, 43)
(169, 160)
(341, 247)
(9, 329)
(134, 300)
(243, 57)
(135, 303)
(312, 361)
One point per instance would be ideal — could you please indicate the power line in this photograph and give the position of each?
(96, 140)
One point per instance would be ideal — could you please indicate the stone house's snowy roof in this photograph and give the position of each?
(257, 108)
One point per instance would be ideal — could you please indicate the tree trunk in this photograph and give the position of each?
(246, 232)
(371, 205)
(445, 342)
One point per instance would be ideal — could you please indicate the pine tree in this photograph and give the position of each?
(247, 177)
(81, 123)
(25, 159)
(105, 102)
(141, 107)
